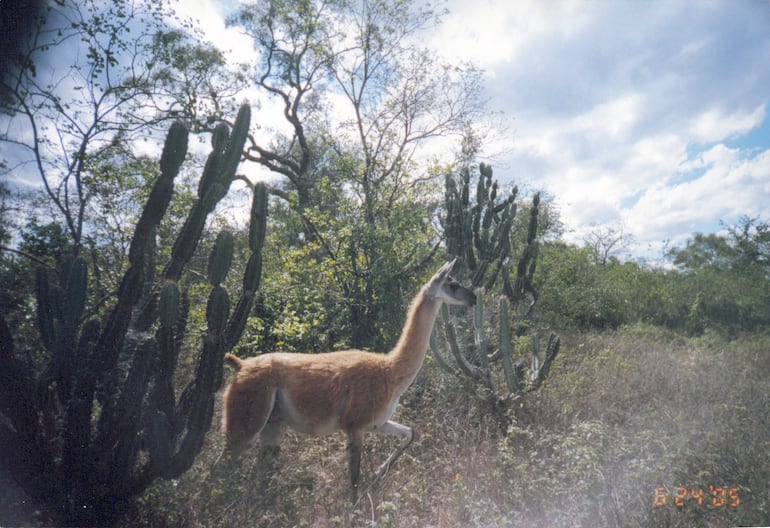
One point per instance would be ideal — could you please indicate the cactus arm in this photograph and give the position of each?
(511, 376)
(465, 367)
(220, 258)
(251, 277)
(171, 308)
(232, 155)
(544, 366)
(187, 242)
(213, 167)
(435, 349)
(258, 226)
(480, 340)
(237, 322)
(195, 409)
(132, 283)
(45, 308)
(174, 152)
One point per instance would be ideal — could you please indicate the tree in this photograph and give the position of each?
(361, 99)
(744, 246)
(607, 241)
(91, 78)
(751, 240)
(725, 278)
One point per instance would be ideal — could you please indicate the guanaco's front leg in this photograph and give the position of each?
(354, 447)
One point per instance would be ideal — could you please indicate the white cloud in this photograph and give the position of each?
(622, 108)
(717, 124)
(209, 16)
(613, 119)
(491, 33)
(723, 185)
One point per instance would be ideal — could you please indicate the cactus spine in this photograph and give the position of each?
(104, 418)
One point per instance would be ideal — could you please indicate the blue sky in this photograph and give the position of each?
(650, 115)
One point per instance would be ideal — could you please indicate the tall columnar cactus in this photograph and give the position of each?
(479, 233)
(103, 419)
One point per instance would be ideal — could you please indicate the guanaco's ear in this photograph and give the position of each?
(443, 271)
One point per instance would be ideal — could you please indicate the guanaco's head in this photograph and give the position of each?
(442, 287)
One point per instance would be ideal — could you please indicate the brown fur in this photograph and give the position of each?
(350, 390)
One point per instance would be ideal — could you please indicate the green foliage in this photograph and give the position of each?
(105, 412)
(346, 284)
(725, 279)
(720, 284)
(355, 205)
(575, 291)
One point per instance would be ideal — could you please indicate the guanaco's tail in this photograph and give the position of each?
(234, 361)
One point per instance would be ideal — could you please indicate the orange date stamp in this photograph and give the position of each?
(712, 496)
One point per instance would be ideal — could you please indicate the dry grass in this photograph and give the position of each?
(621, 414)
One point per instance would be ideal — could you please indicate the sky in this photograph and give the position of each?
(646, 116)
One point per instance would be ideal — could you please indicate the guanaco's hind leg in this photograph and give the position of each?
(407, 436)
(355, 443)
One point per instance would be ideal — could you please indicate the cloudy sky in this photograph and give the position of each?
(647, 115)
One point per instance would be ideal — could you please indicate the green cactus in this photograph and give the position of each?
(527, 262)
(218, 176)
(478, 232)
(220, 258)
(46, 308)
(104, 419)
(174, 152)
(211, 171)
(253, 272)
(541, 367)
(258, 226)
(217, 309)
(74, 275)
(234, 150)
(168, 304)
(506, 350)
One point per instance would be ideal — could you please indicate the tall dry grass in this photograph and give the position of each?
(622, 414)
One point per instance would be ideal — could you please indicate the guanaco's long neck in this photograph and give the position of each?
(409, 352)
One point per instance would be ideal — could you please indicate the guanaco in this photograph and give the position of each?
(350, 390)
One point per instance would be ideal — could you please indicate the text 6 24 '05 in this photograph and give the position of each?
(713, 496)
